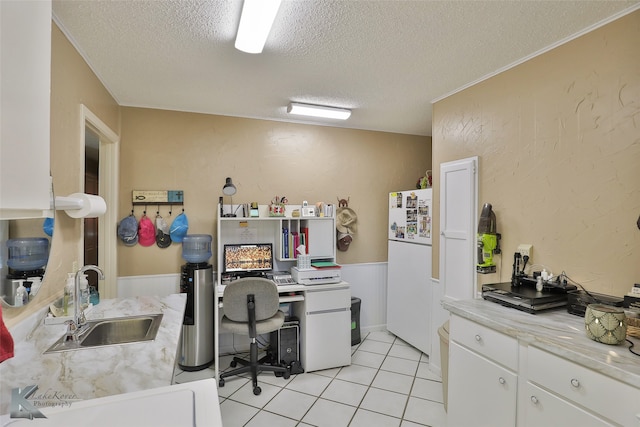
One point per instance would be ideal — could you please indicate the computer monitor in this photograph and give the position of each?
(248, 257)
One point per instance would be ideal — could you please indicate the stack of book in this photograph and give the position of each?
(292, 239)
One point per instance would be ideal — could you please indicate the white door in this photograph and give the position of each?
(409, 293)
(458, 225)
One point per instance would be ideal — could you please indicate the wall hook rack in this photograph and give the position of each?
(157, 197)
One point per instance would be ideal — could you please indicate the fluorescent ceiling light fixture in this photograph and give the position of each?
(255, 24)
(318, 111)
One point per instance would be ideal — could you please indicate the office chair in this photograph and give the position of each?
(251, 306)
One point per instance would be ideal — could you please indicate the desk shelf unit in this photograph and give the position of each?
(323, 310)
(320, 233)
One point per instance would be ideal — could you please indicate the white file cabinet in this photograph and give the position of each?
(327, 327)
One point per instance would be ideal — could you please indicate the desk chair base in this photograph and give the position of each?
(253, 366)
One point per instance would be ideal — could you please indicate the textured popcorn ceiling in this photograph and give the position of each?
(387, 60)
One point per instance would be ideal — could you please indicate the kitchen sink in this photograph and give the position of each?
(114, 331)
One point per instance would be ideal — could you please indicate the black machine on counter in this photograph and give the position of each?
(532, 294)
(527, 293)
(525, 297)
(579, 300)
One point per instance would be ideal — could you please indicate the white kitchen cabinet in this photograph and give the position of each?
(491, 344)
(541, 382)
(25, 86)
(327, 328)
(544, 409)
(575, 385)
(482, 387)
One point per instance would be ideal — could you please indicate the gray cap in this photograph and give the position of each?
(128, 230)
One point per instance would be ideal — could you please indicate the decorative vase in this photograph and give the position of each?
(605, 324)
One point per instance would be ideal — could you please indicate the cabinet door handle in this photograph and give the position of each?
(501, 380)
(534, 400)
(478, 338)
(575, 382)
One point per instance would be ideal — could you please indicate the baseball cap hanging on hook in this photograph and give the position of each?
(128, 230)
(146, 231)
(179, 228)
(163, 239)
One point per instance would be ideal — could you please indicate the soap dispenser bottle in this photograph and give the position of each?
(36, 282)
(84, 291)
(68, 293)
(21, 296)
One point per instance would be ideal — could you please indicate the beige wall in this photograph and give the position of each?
(167, 150)
(558, 139)
(72, 84)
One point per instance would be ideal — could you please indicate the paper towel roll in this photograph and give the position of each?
(92, 206)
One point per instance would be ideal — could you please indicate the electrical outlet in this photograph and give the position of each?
(525, 249)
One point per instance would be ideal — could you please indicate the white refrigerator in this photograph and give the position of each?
(409, 267)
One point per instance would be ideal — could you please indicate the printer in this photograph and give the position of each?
(316, 276)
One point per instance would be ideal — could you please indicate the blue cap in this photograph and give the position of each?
(179, 228)
(47, 226)
(128, 230)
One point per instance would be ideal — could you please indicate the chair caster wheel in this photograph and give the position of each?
(221, 382)
(257, 390)
(233, 364)
(286, 375)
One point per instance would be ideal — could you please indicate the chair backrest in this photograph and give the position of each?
(235, 299)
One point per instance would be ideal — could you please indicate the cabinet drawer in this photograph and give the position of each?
(327, 299)
(481, 392)
(544, 409)
(603, 395)
(492, 344)
(328, 341)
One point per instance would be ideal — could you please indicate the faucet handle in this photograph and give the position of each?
(81, 318)
(72, 329)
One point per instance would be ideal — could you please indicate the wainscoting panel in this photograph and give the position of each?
(369, 283)
(153, 285)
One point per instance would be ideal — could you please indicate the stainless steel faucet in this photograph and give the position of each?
(78, 311)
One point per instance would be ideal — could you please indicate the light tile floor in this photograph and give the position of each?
(388, 384)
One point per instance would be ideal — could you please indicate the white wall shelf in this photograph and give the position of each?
(320, 231)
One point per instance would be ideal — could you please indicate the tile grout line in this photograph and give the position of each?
(372, 380)
(357, 407)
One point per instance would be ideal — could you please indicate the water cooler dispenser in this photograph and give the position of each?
(196, 280)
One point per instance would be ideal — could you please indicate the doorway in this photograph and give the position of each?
(91, 186)
(100, 163)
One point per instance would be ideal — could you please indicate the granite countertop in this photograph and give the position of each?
(65, 377)
(557, 332)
